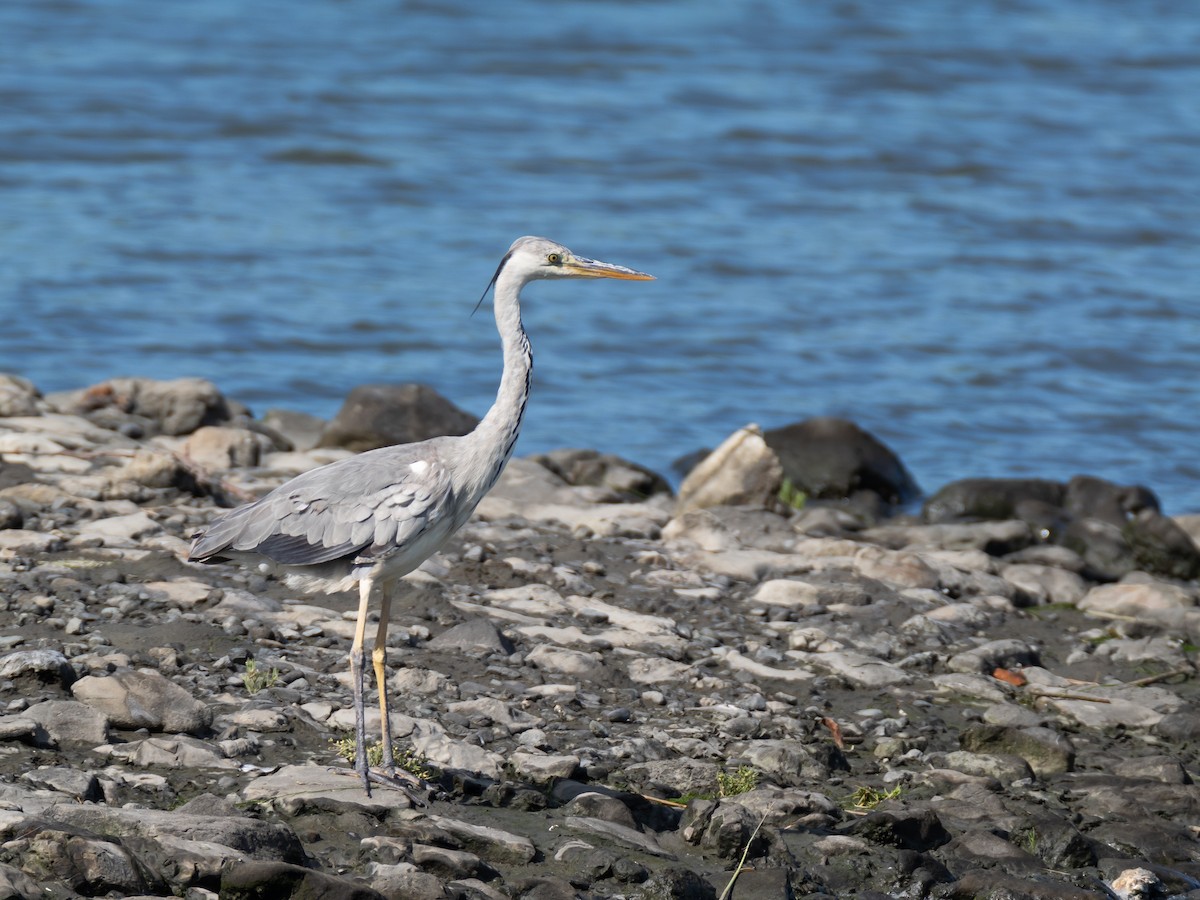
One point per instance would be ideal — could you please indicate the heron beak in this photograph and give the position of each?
(593, 268)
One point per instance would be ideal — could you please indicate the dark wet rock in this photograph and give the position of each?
(723, 828)
(1046, 751)
(254, 838)
(88, 864)
(452, 864)
(1182, 726)
(1159, 545)
(991, 498)
(833, 459)
(11, 515)
(1094, 498)
(918, 830)
(380, 415)
(984, 848)
(988, 884)
(256, 880)
(763, 884)
(619, 478)
(144, 699)
(607, 808)
(676, 883)
(13, 473)
(1055, 841)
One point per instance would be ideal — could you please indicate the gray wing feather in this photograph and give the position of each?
(374, 500)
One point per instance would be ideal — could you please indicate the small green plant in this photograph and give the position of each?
(869, 797)
(404, 757)
(257, 679)
(730, 784)
(791, 495)
(1029, 840)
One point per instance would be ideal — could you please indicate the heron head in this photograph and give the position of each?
(539, 257)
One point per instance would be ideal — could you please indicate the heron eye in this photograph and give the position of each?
(554, 259)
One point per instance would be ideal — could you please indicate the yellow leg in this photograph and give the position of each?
(379, 658)
(356, 677)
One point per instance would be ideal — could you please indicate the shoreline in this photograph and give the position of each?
(590, 670)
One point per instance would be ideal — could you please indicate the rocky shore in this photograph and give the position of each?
(789, 673)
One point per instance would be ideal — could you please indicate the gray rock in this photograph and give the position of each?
(619, 478)
(65, 780)
(379, 415)
(257, 880)
(724, 828)
(451, 864)
(301, 430)
(144, 699)
(1046, 751)
(1006, 653)
(43, 667)
(67, 722)
(676, 777)
(473, 635)
(161, 407)
(11, 515)
(18, 397)
(16, 885)
(89, 865)
(257, 839)
(592, 804)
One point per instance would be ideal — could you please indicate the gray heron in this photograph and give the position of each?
(370, 519)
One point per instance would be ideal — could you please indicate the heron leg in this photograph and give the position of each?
(379, 658)
(356, 676)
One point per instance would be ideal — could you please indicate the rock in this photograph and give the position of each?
(992, 498)
(301, 430)
(155, 407)
(921, 831)
(473, 636)
(674, 777)
(218, 448)
(541, 767)
(1152, 602)
(65, 780)
(619, 478)
(16, 885)
(90, 865)
(742, 471)
(33, 669)
(1007, 653)
(67, 722)
(1046, 751)
(144, 699)
(380, 415)
(1095, 498)
(11, 515)
(18, 397)
(833, 459)
(1161, 546)
(724, 828)
(258, 880)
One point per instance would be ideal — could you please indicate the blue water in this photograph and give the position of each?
(971, 228)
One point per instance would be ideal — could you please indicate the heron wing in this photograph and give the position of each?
(370, 503)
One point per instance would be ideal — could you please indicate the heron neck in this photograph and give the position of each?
(496, 436)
